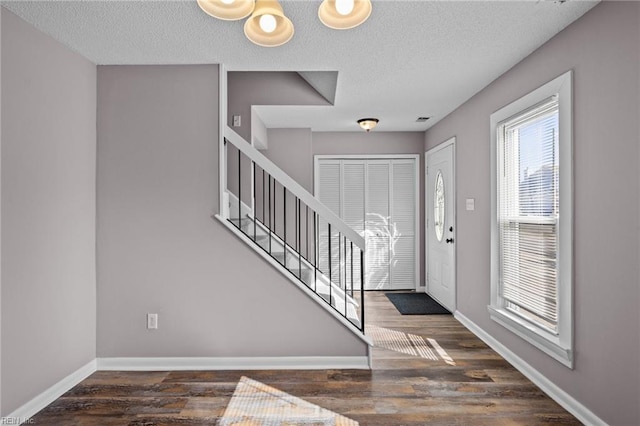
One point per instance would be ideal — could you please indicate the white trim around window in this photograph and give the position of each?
(556, 343)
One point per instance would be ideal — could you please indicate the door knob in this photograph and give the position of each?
(449, 240)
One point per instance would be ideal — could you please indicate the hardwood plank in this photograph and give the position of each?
(435, 373)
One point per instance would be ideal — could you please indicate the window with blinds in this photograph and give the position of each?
(528, 196)
(532, 218)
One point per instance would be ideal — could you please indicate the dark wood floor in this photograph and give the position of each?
(427, 370)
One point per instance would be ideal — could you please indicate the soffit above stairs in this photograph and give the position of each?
(324, 82)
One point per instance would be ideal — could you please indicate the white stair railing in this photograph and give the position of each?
(282, 218)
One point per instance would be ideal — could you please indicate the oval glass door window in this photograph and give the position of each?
(438, 206)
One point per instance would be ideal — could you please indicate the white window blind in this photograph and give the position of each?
(532, 218)
(528, 211)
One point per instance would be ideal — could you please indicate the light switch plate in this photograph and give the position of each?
(471, 204)
(237, 119)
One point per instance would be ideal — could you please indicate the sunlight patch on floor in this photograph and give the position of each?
(256, 404)
(443, 354)
(408, 344)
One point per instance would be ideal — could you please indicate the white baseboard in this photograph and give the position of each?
(238, 363)
(31, 408)
(28, 410)
(569, 403)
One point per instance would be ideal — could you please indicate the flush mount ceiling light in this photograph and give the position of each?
(344, 14)
(368, 123)
(227, 10)
(267, 26)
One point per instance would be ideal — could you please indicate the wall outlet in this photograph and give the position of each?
(237, 119)
(152, 321)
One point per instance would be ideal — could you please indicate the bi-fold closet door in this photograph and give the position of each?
(377, 198)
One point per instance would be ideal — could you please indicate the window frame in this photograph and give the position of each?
(557, 345)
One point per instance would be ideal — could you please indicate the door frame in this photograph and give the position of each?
(427, 193)
(416, 158)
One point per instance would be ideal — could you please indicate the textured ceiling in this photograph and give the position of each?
(410, 59)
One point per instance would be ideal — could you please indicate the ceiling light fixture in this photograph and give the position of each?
(267, 26)
(368, 123)
(227, 10)
(344, 14)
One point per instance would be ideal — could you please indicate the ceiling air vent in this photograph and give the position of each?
(422, 119)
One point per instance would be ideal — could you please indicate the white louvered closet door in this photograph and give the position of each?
(377, 199)
(402, 225)
(329, 188)
(353, 213)
(377, 230)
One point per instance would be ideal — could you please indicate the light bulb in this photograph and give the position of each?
(344, 7)
(228, 1)
(268, 23)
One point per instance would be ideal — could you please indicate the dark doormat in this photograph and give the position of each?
(416, 304)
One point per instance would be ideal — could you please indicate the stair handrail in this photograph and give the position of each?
(292, 186)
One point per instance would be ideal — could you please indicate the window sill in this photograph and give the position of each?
(537, 337)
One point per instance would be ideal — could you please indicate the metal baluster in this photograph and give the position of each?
(270, 224)
(239, 191)
(362, 290)
(225, 210)
(306, 231)
(315, 252)
(344, 246)
(299, 242)
(275, 222)
(330, 271)
(351, 253)
(340, 282)
(284, 222)
(255, 236)
(263, 194)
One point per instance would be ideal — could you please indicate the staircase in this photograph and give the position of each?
(299, 235)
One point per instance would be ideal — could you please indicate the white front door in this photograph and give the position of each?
(440, 227)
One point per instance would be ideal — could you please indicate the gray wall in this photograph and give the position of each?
(48, 212)
(347, 143)
(247, 88)
(603, 50)
(158, 248)
(291, 151)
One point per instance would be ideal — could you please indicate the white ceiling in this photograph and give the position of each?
(410, 59)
